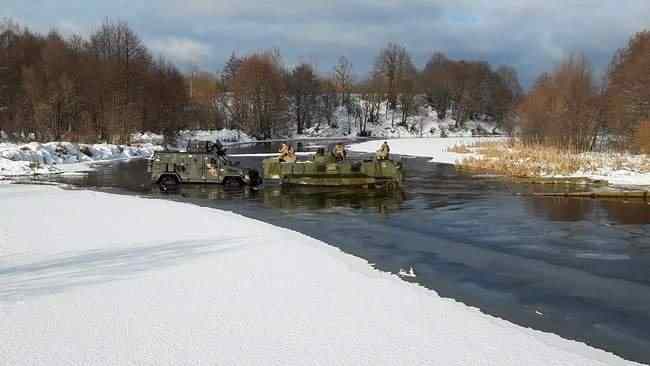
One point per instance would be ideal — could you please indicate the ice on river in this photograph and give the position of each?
(98, 279)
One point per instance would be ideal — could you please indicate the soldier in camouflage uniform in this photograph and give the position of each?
(290, 157)
(339, 152)
(284, 151)
(384, 151)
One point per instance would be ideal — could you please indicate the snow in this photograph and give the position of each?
(435, 148)
(622, 169)
(98, 279)
(225, 135)
(57, 157)
(147, 138)
(425, 123)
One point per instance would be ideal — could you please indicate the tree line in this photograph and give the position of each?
(570, 109)
(265, 98)
(98, 89)
(109, 85)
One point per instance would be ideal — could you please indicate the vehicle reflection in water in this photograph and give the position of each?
(296, 198)
(315, 198)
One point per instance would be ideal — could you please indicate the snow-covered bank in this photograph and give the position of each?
(424, 123)
(515, 159)
(616, 169)
(116, 280)
(56, 157)
(435, 148)
(226, 136)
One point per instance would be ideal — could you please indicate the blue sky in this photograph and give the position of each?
(532, 36)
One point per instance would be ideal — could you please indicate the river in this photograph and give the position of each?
(579, 268)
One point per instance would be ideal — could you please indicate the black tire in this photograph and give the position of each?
(255, 179)
(168, 183)
(233, 182)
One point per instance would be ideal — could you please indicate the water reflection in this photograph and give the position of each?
(561, 209)
(314, 198)
(296, 198)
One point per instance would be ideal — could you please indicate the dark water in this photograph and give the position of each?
(576, 267)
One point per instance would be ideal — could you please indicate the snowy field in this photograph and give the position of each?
(434, 148)
(105, 279)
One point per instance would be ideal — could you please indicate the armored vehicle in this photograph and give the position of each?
(202, 162)
(325, 171)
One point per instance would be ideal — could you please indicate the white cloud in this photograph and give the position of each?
(181, 50)
(529, 34)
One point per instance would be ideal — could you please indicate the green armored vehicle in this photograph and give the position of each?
(325, 171)
(202, 162)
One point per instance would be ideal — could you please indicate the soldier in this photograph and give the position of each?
(217, 148)
(284, 151)
(384, 151)
(339, 152)
(291, 155)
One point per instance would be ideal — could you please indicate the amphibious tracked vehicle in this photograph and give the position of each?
(325, 171)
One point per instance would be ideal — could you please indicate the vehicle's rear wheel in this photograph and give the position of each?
(168, 183)
(233, 182)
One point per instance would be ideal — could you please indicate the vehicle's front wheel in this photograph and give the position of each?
(168, 183)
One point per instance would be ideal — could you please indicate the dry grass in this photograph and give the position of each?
(519, 160)
(461, 149)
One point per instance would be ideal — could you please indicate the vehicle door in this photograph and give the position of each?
(213, 167)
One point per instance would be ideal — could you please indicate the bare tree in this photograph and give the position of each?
(394, 65)
(259, 93)
(304, 90)
(562, 108)
(343, 79)
(627, 93)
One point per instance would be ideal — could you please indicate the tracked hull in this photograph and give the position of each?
(324, 173)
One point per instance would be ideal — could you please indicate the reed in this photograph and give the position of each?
(516, 159)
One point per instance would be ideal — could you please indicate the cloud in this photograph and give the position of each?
(181, 50)
(531, 35)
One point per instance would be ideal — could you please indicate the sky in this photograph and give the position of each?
(531, 36)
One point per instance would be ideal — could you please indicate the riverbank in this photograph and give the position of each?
(159, 291)
(517, 160)
(63, 157)
(499, 156)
